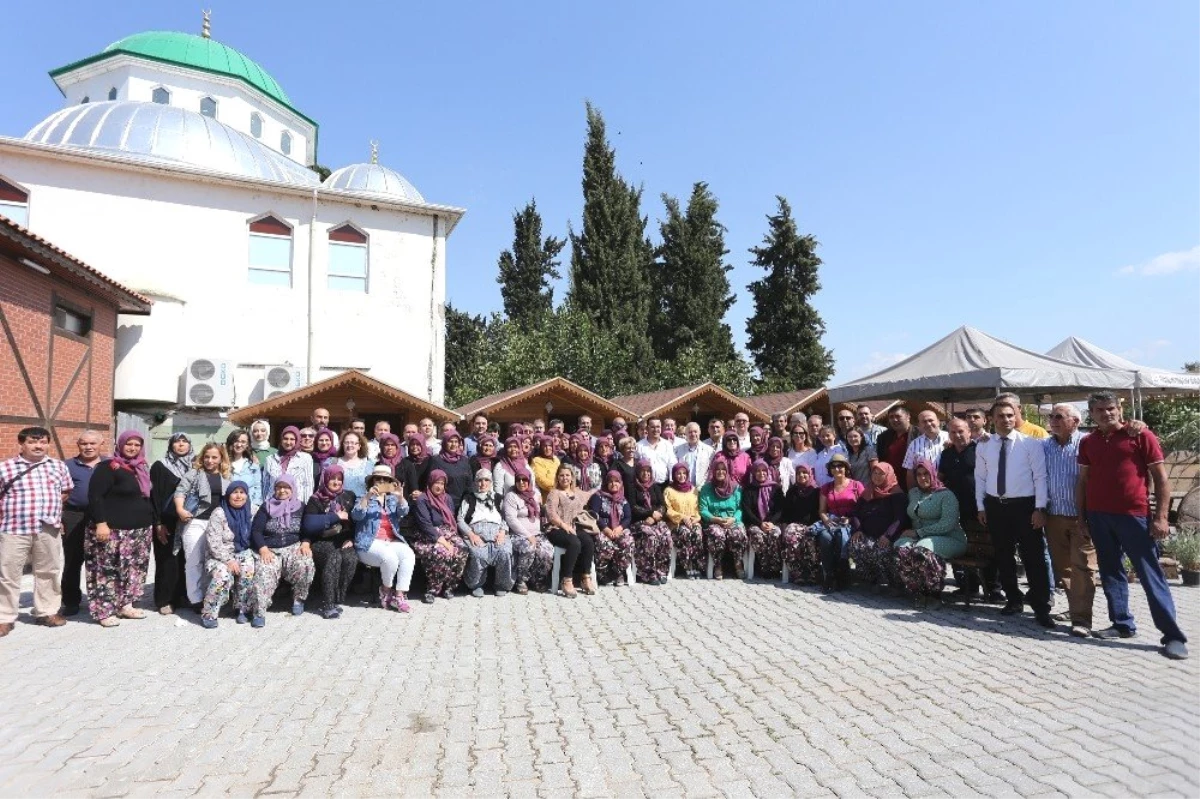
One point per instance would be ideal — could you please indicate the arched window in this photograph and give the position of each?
(270, 262)
(85, 100)
(160, 96)
(285, 143)
(112, 93)
(256, 125)
(208, 107)
(347, 259)
(14, 203)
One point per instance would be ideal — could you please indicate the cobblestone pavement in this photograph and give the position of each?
(693, 689)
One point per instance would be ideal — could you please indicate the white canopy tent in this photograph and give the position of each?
(969, 364)
(1147, 379)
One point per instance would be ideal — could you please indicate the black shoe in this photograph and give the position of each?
(1113, 633)
(1046, 620)
(69, 610)
(429, 597)
(996, 597)
(1012, 609)
(965, 593)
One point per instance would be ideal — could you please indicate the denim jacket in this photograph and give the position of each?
(366, 515)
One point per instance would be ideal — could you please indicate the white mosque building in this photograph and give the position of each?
(180, 168)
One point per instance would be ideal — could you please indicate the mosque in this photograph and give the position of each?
(181, 169)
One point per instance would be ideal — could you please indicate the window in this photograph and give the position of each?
(270, 252)
(285, 143)
(14, 203)
(256, 126)
(208, 107)
(85, 100)
(347, 259)
(160, 96)
(112, 93)
(71, 321)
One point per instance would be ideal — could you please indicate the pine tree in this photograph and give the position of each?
(527, 269)
(693, 290)
(784, 333)
(466, 339)
(611, 256)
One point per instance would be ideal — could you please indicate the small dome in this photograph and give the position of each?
(373, 179)
(168, 135)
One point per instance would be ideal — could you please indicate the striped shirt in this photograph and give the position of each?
(922, 448)
(1062, 470)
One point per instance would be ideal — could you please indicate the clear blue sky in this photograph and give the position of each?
(1027, 168)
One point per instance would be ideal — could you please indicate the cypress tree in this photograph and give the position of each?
(610, 256)
(527, 269)
(784, 333)
(694, 293)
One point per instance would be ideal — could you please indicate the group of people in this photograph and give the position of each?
(228, 522)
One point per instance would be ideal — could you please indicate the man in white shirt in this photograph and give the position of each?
(428, 429)
(1011, 492)
(658, 451)
(381, 427)
(694, 454)
(927, 446)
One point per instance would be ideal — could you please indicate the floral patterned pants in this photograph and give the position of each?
(921, 571)
(443, 568)
(298, 570)
(651, 550)
(613, 556)
(871, 563)
(801, 554)
(222, 584)
(116, 569)
(689, 546)
(532, 560)
(768, 548)
(719, 540)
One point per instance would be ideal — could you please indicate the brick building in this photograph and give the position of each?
(58, 329)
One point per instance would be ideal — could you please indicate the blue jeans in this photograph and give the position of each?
(1114, 535)
(834, 545)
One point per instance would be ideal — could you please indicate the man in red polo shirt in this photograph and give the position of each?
(1114, 504)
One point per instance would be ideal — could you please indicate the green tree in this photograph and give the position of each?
(1192, 367)
(610, 256)
(693, 290)
(467, 354)
(527, 269)
(784, 332)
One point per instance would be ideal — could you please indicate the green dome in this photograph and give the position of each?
(189, 50)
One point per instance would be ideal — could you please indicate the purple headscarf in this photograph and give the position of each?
(441, 503)
(644, 468)
(762, 487)
(447, 455)
(321, 455)
(517, 465)
(137, 464)
(723, 488)
(686, 486)
(279, 508)
(615, 497)
(421, 456)
(286, 455)
(395, 459)
(485, 461)
(328, 473)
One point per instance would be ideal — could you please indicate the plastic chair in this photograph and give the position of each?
(556, 571)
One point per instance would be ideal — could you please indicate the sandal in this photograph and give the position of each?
(130, 612)
(109, 621)
(568, 588)
(166, 610)
(521, 588)
(588, 585)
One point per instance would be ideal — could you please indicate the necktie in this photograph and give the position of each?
(1002, 469)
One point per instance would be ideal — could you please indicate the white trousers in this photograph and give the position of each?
(395, 561)
(195, 552)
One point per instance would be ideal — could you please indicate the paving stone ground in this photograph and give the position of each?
(693, 689)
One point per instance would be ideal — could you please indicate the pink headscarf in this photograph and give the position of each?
(440, 502)
(935, 482)
(137, 464)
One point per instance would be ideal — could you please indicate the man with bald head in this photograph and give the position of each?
(926, 446)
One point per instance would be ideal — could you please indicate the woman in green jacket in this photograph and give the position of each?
(937, 535)
(721, 517)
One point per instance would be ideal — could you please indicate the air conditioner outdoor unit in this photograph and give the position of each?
(282, 379)
(208, 383)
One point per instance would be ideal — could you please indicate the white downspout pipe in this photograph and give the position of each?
(310, 366)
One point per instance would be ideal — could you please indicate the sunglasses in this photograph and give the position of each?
(837, 466)
(845, 418)
(307, 435)
(1058, 417)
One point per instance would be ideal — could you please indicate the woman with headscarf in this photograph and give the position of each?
(801, 505)
(564, 505)
(782, 470)
(290, 460)
(526, 444)
(165, 475)
(230, 562)
(508, 466)
(116, 543)
(721, 515)
(260, 441)
(836, 523)
(352, 457)
(391, 452)
(244, 466)
(614, 544)
(936, 535)
(737, 462)
(861, 455)
(682, 502)
(588, 472)
(324, 452)
(282, 553)
(452, 459)
(882, 515)
(378, 538)
(605, 452)
(485, 454)
(327, 528)
(651, 536)
(762, 512)
(441, 550)
(758, 442)
(481, 523)
(413, 471)
(544, 465)
(196, 496)
(533, 554)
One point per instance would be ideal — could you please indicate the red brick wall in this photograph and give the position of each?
(72, 377)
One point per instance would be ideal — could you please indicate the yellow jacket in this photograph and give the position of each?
(681, 505)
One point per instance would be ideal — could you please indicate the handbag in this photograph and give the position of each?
(586, 520)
